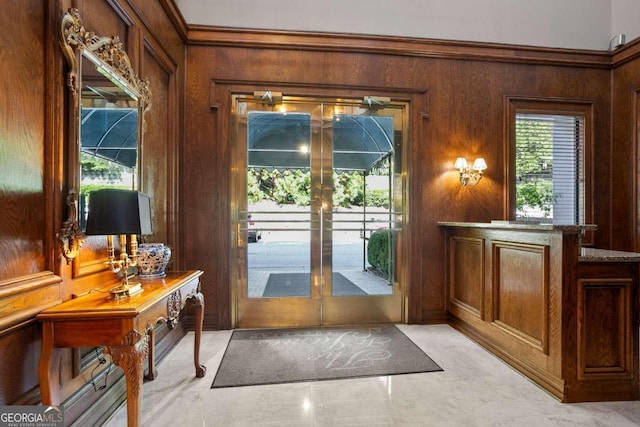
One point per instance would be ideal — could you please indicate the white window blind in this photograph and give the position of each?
(550, 168)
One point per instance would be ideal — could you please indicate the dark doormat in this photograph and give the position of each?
(275, 356)
(297, 285)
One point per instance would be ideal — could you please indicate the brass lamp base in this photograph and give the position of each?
(125, 290)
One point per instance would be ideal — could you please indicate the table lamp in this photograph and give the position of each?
(121, 213)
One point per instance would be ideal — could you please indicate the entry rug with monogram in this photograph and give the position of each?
(275, 356)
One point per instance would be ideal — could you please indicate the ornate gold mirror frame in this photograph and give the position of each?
(95, 62)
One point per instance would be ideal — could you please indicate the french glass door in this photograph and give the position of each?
(317, 218)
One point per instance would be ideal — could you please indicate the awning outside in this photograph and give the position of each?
(281, 141)
(361, 142)
(111, 134)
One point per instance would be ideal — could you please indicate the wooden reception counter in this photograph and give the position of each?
(565, 316)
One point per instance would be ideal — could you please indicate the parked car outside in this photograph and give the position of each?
(253, 233)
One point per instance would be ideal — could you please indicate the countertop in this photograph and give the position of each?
(586, 254)
(606, 255)
(520, 225)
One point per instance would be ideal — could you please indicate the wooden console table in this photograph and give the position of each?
(125, 327)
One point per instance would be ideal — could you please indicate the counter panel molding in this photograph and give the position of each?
(565, 316)
(466, 288)
(521, 291)
(602, 326)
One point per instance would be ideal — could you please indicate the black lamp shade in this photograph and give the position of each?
(113, 211)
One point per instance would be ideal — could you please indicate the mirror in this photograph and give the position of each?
(108, 135)
(107, 106)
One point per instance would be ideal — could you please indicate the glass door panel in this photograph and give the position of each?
(278, 275)
(362, 147)
(279, 194)
(317, 185)
(362, 222)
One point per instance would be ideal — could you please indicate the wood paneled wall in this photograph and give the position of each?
(455, 90)
(457, 94)
(28, 172)
(623, 167)
(34, 175)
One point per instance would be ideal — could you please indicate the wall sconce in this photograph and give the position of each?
(120, 212)
(71, 236)
(470, 175)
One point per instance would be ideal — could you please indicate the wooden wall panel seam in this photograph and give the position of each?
(176, 18)
(53, 133)
(635, 140)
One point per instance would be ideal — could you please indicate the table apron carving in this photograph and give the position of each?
(174, 306)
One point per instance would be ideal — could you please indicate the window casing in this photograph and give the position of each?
(548, 148)
(549, 168)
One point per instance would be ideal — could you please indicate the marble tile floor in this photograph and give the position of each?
(475, 389)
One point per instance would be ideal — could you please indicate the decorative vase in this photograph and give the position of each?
(153, 259)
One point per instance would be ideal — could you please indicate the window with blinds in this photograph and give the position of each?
(549, 168)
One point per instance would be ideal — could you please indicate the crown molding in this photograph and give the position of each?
(626, 53)
(394, 45)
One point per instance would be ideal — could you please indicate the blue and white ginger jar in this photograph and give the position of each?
(153, 259)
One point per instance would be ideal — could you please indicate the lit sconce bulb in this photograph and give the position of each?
(304, 149)
(461, 163)
(479, 164)
(470, 175)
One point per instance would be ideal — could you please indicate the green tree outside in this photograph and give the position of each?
(534, 188)
(294, 187)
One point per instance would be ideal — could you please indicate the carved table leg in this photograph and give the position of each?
(151, 375)
(198, 303)
(48, 368)
(130, 357)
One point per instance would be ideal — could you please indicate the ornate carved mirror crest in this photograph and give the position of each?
(107, 105)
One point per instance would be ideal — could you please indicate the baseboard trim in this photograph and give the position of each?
(434, 317)
(102, 408)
